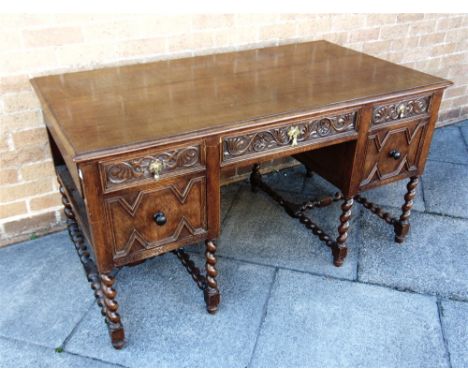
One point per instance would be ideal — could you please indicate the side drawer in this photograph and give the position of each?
(266, 140)
(393, 152)
(137, 169)
(164, 216)
(402, 109)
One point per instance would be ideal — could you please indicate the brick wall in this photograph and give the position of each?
(33, 45)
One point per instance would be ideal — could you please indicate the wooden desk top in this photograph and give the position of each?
(137, 105)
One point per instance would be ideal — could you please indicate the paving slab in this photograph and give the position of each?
(313, 321)
(448, 146)
(44, 292)
(454, 316)
(14, 354)
(393, 195)
(445, 188)
(166, 321)
(228, 194)
(432, 260)
(289, 179)
(259, 230)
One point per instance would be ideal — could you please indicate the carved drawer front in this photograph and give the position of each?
(399, 110)
(154, 220)
(262, 141)
(151, 166)
(393, 153)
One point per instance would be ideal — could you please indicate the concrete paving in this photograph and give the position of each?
(318, 322)
(445, 188)
(283, 302)
(455, 324)
(448, 146)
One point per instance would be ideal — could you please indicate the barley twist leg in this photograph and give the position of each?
(82, 250)
(340, 250)
(402, 226)
(211, 292)
(112, 317)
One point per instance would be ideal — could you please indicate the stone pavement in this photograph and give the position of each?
(283, 302)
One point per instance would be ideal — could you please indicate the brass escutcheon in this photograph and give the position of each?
(156, 167)
(293, 133)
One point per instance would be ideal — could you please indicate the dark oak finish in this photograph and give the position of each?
(212, 295)
(101, 284)
(340, 250)
(139, 149)
(393, 152)
(402, 226)
(118, 107)
(257, 143)
(131, 217)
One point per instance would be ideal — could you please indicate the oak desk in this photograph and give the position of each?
(139, 149)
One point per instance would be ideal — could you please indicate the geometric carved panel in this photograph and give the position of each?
(380, 165)
(131, 221)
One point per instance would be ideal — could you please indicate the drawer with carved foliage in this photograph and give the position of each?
(158, 218)
(261, 142)
(393, 152)
(403, 109)
(152, 165)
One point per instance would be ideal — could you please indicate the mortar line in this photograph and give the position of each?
(440, 313)
(448, 162)
(75, 327)
(53, 350)
(231, 205)
(423, 194)
(442, 215)
(96, 359)
(386, 206)
(463, 136)
(360, 244)
(263, 317)
(330, 277)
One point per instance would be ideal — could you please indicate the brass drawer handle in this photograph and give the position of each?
(395, 154)
(293, 133)
(156, 167)
(160, 218)
(401, 110)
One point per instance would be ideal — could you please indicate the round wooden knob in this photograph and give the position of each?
(160, 218)
(395, 154)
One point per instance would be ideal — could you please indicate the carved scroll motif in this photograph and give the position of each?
(400, 110)
(133, 169)
(277, 137)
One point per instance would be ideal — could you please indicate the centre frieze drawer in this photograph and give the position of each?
(259, 142)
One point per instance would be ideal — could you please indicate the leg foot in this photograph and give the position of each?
(339, 255)
(112, 317)
(211, 292)
(340, 249)
(402, 226)
(255, 178)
